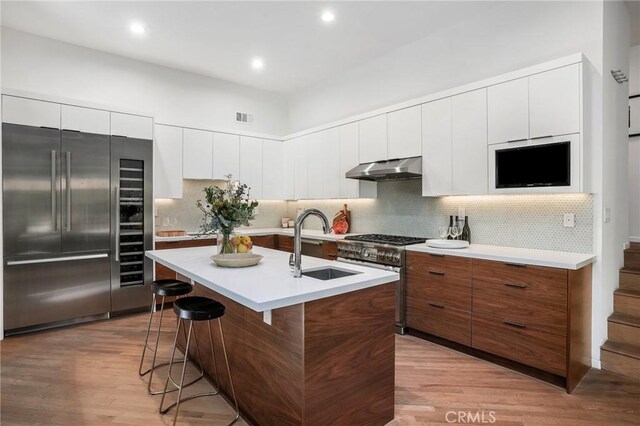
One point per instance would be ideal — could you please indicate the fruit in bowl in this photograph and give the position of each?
(243, 244)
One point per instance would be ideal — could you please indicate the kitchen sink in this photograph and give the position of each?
(329, 273)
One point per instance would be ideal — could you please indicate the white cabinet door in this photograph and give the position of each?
(324, 164)
(289, 170)
(437, 172)
(167, 164)
(349, 188)
(131, 126)
(469, 138)
(30, 112)
(86, 120)
(405, 131)
(301, 168)
(508, 108)
(226, 156)
(373, 139)
(197, 154)
(251, 165)
(272, 170)
(554, 102)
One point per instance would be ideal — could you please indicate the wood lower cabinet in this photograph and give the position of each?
(284, 243)
(162, 272)
(266, 241)
(536, 316)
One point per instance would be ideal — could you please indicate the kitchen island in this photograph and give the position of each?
(302, 350)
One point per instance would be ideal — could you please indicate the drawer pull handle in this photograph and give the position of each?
(516, 285)
(516, 265)
(515, 324)
(436, 273)
(436, 305)
(436, 255)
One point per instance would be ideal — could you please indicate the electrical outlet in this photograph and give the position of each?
(569, 220)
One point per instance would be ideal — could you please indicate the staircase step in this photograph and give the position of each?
(634, 246)
(632, 259)
(623, 329)
(621, 358)
(626, 302)
(629, 280)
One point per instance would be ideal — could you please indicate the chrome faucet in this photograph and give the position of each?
(295, 260)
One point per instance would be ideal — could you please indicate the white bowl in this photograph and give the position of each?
(448, 244)
(236, 260)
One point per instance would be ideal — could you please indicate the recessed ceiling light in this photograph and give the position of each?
(257, 64)
(137, 28)
(328, 16)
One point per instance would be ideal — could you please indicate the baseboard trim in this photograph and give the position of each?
(634, 239)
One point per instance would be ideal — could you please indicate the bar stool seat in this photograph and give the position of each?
(163, 288)
(197, 308)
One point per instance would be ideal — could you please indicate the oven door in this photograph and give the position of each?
(401, 293)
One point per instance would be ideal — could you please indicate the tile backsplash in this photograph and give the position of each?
(529, 221)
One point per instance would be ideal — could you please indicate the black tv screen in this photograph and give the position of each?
(534, 166)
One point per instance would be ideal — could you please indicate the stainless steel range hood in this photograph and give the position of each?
(403, 168)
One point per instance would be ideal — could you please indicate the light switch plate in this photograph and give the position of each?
(569, 220)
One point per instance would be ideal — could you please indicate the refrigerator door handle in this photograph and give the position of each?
(54, 211)
(68, 189)
(117, 203)
(56, 259)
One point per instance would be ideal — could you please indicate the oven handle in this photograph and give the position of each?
(370, 265)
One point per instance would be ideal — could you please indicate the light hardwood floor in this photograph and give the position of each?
(87, 375)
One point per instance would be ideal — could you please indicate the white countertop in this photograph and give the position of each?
(312, 234)
(553, 259)
(270, 284)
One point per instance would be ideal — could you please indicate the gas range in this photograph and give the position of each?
(379, 249)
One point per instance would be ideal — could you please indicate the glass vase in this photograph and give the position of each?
(226, 242)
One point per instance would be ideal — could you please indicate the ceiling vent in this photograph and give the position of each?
(244, 117)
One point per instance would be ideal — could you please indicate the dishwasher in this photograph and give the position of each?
(311, 247)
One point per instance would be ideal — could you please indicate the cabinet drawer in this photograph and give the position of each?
(521, 303)
(448, 323)
(449, 290)
(424, 264)
(546, 351)
(542, 283)
(266, 241)
(284, 243)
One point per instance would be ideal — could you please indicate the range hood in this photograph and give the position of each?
(403, 168)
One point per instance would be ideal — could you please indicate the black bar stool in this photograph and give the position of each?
(196, 308)
(162, 288)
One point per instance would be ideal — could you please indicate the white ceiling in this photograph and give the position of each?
(219, 39)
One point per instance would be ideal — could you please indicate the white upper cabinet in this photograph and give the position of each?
(554, 102)
(226, 156)
(272, 170)
(30, 112)
(324, 164)
(197, 154)
(373, 139)
(86, 120)
(251, 165)
(167, 163)
(469, 139)
(349, 188)
(508, 108)
(437, 172)
(289, 170)
(405, 133)
(131, 126)
(301, 168)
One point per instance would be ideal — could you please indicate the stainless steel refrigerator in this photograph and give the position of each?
(66, 214)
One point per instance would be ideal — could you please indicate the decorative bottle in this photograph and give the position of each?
(450, 226)
(466, 231)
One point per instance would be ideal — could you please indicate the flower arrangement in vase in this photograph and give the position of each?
(226, 208)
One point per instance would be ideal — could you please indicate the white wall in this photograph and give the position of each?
(613, 190)
(634, 151)
(509, 36)
(45, 66)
